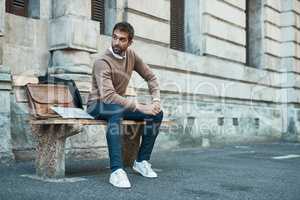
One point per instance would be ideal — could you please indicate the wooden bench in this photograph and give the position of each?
(51, 136)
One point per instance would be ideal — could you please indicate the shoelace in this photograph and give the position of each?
(147, 166)
(122, 174)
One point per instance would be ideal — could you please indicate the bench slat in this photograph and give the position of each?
(50, 121)
(79, 121)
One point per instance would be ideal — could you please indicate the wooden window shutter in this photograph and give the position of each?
(177, 25)
(98, 13)
(17, 7)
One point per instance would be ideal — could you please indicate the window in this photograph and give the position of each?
(17, 7)
(177, 25)
(254, 31)
(192, 27)
(98, 13)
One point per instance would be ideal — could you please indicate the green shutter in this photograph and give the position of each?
(177, 25)
(17, 7)
(98, 13)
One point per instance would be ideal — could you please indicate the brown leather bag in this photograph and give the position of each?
(41, 97)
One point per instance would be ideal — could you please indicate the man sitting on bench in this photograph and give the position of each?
(111, 75)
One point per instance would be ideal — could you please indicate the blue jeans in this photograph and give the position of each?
(114, 114)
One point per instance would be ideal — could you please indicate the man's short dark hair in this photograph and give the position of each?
(125, 27)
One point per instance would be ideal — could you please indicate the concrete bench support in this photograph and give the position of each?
(50, 150)
(51, 136)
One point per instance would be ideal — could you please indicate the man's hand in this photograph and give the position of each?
(149, 109)
(156, 105)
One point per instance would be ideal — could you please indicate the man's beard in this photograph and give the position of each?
(117, 50)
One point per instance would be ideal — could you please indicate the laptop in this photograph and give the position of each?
(73, 113)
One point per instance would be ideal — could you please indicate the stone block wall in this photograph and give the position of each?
(208, 90)
(290, 28)
(26, 45)
(290, 46)
(71, 7)
(74, 33)
(152, 14)
(2, 14)
(25, 53)
(272, 36)
(6, 154)
(232, 37)
(219, 123)
(1, 50)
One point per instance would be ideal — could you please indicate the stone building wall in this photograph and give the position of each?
(6, 154)
(209, 90)
(290, 66)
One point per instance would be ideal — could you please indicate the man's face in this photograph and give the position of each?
(120, 42)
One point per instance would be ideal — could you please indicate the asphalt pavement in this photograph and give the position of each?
(258, 171)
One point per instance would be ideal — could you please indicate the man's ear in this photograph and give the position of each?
(130, 42)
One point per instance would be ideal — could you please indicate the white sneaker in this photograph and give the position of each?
(144, 168)
(119, 179)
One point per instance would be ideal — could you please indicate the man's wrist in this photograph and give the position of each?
(156, 100)
(138, 107)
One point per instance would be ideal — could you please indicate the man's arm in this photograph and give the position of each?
(144, 71)
(102, 73)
